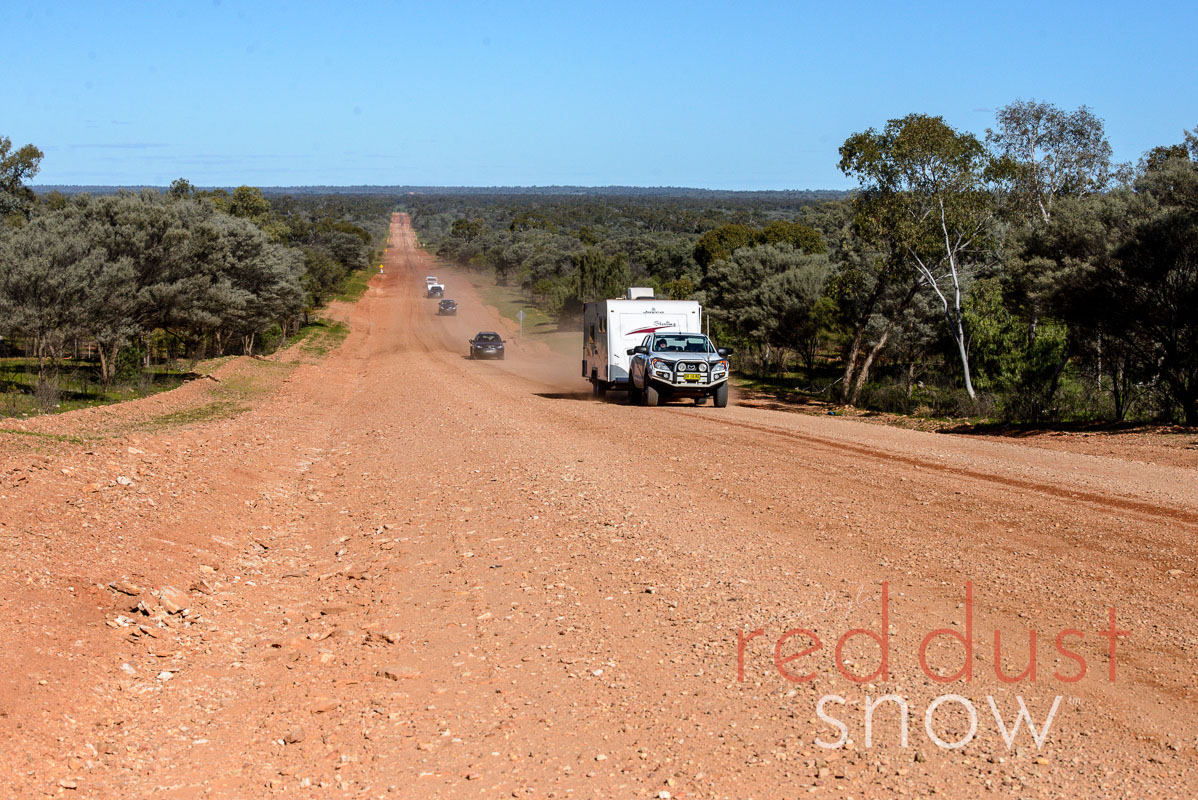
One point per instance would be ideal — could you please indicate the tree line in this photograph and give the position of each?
(194, 273)
(1021, 274)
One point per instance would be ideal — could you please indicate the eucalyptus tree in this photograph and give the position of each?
(17, 167)
(40, 272)
(1048, 153)
(1142, 293)
(107, 291)
(926, 197)
(601, 276)
(181, 189)
(1148, 294)
(249, 282)
(797, 305)
(150, 234)
(868, 292)
(467, 229)
(719, 243)
(770, 294)
(1169, 174)
(1044, 156)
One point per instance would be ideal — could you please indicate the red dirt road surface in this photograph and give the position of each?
(403, 573)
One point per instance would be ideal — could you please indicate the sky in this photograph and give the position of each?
(718, 95)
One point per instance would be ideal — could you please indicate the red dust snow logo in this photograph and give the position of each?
(785, 660)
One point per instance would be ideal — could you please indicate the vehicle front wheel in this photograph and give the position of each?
(652, 396)
(721, 395)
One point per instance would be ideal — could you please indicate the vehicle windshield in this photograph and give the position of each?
(487, 337)
(682, 343)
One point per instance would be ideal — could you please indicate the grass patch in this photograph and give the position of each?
(237, 390)
(508, 300)
(321, 336)
(538, 326)
(218, 409)
(231, 395)
(75, 384)
(355, 285)
(211, 365)
(54, 437)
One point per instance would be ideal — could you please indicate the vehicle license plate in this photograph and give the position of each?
(691, 376)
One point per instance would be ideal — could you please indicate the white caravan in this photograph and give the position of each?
(610, 328)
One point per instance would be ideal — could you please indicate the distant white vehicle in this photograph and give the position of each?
(610, 328)
(430, 280)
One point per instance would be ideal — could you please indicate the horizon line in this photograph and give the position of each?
(409, 187)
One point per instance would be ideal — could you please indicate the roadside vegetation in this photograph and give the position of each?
(76, 385)
(538, 326)
(220, 388)
(1021, 276)
(106, 298)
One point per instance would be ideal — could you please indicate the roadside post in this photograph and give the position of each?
(520, 316)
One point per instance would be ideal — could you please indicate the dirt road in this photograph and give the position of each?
(409, 574)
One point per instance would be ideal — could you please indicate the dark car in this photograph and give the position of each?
(436, 291)
(447, 307)
(486, 344)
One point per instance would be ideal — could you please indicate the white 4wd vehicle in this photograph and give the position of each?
(611, 327)
(666, 365)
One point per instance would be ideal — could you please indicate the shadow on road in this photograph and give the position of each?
(565, 395)
(615, 398)
(1018, 430)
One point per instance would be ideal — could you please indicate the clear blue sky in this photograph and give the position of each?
(723, 95)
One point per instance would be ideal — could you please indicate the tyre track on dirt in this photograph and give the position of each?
(1111, 503)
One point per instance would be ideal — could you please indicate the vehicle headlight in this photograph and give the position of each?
(702, 366)
(664, 366)
(719, 366)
